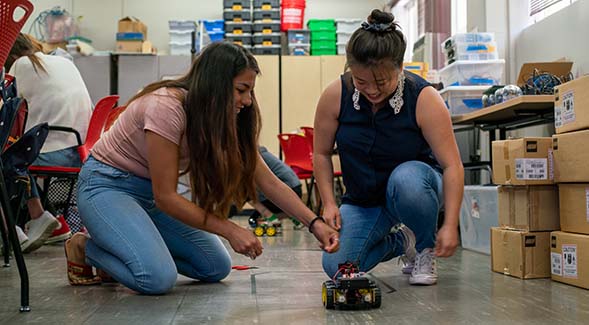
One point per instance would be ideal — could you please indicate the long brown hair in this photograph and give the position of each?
(223, 145)
(24, 47)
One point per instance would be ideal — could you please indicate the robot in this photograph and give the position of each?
(264, 227)
(352, 290)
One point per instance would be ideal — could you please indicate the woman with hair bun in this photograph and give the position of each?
(399, 158)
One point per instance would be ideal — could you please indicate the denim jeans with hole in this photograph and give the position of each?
(136, 243)
(413, 197)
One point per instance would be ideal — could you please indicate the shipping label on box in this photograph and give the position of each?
(574, 208)
(524, 161)
(529, 208)
(570, 258)
(571, 157)
(531, 169)
(569, 261)
(556, 263)
(571, 105)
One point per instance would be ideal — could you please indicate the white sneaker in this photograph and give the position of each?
(408, 258)
(22, 237)
(425, 271)
(38, 230)
(407, 265)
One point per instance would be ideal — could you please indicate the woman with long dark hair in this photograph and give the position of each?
(206, 124)
(399, 158)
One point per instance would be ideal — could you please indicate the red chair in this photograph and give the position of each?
(65, 177)
(113, 116)
(298, 155)
(309, 134)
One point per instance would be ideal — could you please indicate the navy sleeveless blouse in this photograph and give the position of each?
(372, 145)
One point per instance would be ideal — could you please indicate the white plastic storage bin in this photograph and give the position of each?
(343, 37)
(463, 99)
(473, 73)
(471, 38)
(182, 25)
(299, 49)
(348, 25)
(180, 48)
(341, 48)
(478, 214)
(180, 36)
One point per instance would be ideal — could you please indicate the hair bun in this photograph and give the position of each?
(380, 17)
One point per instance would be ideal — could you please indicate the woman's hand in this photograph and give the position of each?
(244, 242)
(332, 217)
(447, 241)
(328, 237)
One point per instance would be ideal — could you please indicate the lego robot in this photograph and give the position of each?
(351, 290)
(264, 227)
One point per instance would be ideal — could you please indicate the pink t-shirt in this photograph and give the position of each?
(124, 145)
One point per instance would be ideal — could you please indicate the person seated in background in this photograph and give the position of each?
(57, 95)
(266, 211)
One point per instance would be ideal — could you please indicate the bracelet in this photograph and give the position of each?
(313, 221)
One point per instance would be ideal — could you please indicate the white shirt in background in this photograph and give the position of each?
(58, 97)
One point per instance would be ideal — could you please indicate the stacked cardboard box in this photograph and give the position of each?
(570, 247)
(527, 207)
(132, 36)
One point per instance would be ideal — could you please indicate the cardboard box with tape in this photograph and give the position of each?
(574, 208)
(569, 258)
(524, 161)
(571, 105)
(524, 255)
(571, 157)
(529, 208)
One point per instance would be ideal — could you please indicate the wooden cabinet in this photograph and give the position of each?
(267, 91)
(303, 80)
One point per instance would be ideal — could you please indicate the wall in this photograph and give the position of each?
(99, 21)
(557, 36)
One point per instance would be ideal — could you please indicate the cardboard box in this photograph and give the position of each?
(557, 68)
(129, 46)
(569, 257)
(524, 255)
(571, 157)
(529, 208)
(574, 208)
(132, 25)
(523, 161)
(571, 105)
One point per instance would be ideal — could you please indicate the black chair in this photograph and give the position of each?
(15, 157)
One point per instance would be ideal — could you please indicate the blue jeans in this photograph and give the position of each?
(68, 157)
(413, 197)
(135, 242)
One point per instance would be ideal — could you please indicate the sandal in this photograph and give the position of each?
(105, 277)
(79, 274)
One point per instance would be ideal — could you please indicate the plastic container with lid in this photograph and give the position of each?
(463, 99)
(473, 73)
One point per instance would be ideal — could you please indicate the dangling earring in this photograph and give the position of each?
(356, 99)
(396, 101)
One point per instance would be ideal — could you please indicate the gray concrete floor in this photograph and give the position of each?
(288, 291)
